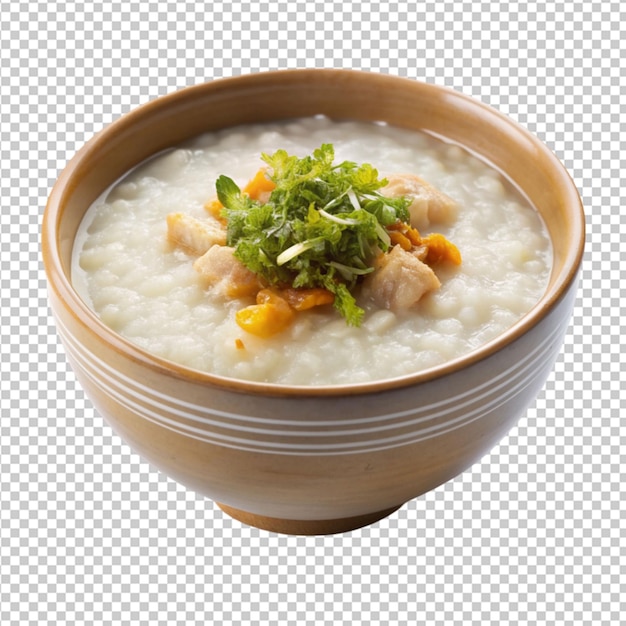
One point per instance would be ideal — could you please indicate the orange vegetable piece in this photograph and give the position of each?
(400, 239)
(303, 299)
(413, 236)
(440, 250)
(214, 207)
(270, 315)
(401, 231)
(260, 186)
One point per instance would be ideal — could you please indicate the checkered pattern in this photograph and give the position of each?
(91, 534)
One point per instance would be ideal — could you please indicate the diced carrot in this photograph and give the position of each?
(239, 344)
(302, 299)
(413, 236)
(270, 315)
(410, 233)
(214, 207)
(398, 238)
(260, 185)
(440, 250)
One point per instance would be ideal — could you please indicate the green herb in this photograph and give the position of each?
(321, 227)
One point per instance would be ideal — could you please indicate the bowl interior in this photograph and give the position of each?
(338, 94)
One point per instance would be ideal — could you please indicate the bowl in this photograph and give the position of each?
(297, 459)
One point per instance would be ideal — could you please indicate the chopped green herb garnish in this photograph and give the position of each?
(321, 226)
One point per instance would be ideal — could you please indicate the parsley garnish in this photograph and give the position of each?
(321, 227)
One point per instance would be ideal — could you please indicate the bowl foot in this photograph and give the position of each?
(306, 527)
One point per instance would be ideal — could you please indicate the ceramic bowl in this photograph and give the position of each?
(313, 460)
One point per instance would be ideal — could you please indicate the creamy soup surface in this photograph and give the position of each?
(146, 289)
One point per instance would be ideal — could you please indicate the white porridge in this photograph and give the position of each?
(145, 288)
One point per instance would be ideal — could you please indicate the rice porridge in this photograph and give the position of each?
(146, 289)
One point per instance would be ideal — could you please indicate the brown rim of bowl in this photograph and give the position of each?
(61, 282)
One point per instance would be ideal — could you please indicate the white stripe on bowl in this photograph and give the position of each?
(199, 413)
(114, 386)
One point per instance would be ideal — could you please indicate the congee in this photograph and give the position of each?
(312, 252)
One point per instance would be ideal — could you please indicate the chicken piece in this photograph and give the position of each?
(399, 280)
(226, 273)
(194, 235)
(428, 204)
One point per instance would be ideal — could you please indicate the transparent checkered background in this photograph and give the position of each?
(91, 534)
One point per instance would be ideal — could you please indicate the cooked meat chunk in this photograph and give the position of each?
(399, 280)
(428, 204)
(226, 273)
(195, 235)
